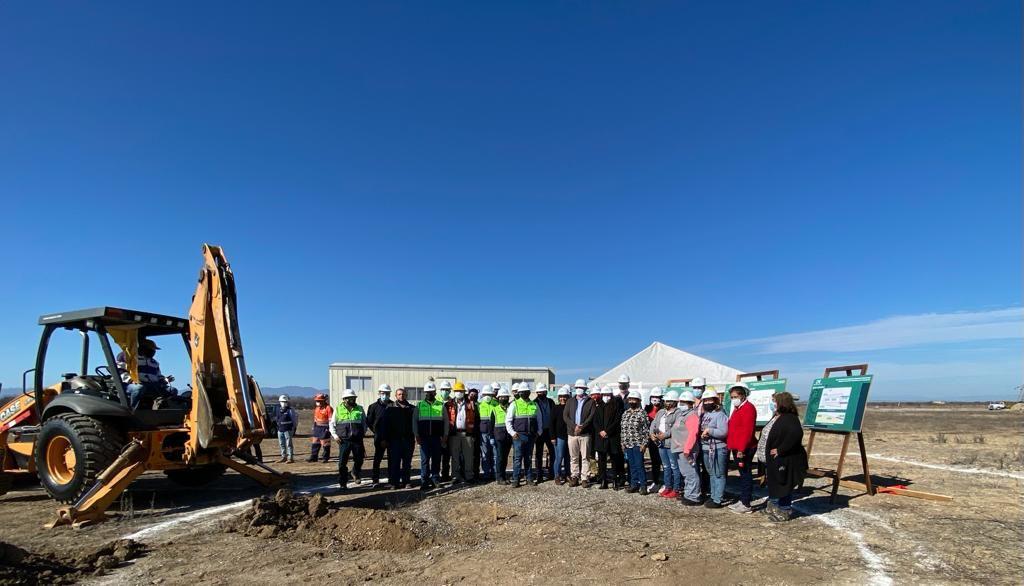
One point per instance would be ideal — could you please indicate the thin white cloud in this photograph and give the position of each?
(893, 332)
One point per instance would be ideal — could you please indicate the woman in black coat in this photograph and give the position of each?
(607, 427)
(781, 449)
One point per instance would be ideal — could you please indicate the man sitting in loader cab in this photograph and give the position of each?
(151, 384)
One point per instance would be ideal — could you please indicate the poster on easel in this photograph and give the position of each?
(837, 403)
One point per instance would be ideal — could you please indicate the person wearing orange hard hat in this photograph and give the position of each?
(321, 434)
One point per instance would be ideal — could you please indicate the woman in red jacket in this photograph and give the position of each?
(741, 442)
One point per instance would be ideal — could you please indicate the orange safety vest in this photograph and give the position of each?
(322, 415)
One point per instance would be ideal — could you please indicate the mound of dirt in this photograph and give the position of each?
(311, 520)
(18, 566)
(1017, 407)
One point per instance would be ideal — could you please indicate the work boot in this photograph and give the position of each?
(327, 453)
(282, 460)
(616, 485)
(585, 483)
(643, 490)
(291, 460)
(314, 453)
(630, 490)
(573, 481)
(604, 484)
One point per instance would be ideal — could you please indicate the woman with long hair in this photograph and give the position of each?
(782, 451)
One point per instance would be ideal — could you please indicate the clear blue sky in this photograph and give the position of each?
(552, 183)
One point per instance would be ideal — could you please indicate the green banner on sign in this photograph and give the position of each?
(837, 403)
(760, 397)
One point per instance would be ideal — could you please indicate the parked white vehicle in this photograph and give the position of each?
(996, 405)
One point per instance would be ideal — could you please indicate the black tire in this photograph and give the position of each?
(193, 477)
(96, 445)
(6, 482)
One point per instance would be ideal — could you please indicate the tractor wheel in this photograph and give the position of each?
(71, 451)
(194, 477)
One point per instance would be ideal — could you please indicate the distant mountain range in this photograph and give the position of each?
(292, 391)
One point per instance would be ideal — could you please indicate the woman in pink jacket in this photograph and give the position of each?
(684, 437)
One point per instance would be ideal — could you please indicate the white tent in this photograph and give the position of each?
(656, 364)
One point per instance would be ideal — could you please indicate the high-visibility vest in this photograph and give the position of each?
(349, 423)
(525, 418)
(429, 422)
(486, 408)
(500, 433)
(322, 415)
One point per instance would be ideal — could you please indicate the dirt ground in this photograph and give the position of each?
(553, 534)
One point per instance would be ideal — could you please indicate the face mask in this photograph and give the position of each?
(350, 402)
(525, 396)
(710, 406)
(542, 395)
(736, 403)
(444, 394)
(655, 401)
(503, 401)
(430, 396)
(580, 392)
(383, 398)
(284, 405)
(606, 398)
(634, 404)
(459, 396)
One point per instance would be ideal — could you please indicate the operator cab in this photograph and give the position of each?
(100, 391)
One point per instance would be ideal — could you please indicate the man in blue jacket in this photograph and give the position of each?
(286, 421)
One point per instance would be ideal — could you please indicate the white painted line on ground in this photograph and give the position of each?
(948, 468)
(164, 526)
(877, 575)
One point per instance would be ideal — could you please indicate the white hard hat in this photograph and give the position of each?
(541, 387)
(488, 390)
(687, 397)
(282, 399)
(384, 388)
(580, 384)
(593, 385)
(698, 382)
(515, 387)
(446, 385)
(671, 396)
(563, 391)
(634, 395)
(429, 387)
(607, 390)
(708, 394)
(524, 386)
(495, 385)
(503, 392)
(348, 393)
(657, 392)
(623, 378)
(739, 386)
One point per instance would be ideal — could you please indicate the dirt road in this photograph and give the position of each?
(551, 534)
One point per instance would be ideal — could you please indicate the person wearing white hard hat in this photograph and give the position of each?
(652, 408)
(741, 443)
(348, 428)
(578, 417)
(502, 438)
(714, 428)
(488, 447)
(635, 429)
(285, 420)
(623, 390)
(607, 440)
(428, 430)
(373, 415)
(685, 445)
(545, 436)
(395, 431)
(445, 392)
(560, 432)
(523, 423)
(661, 433)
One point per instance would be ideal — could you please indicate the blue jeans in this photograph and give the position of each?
(430, 459)
(136, 393)
(284, 439)
(562, 457)
(690, 477)
(670, 469)
(746, 475)
(637, 474)
(522, 450)
(716, 463)
(488, 454)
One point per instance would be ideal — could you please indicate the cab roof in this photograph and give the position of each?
(150, 324)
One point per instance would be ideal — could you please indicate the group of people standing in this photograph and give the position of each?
(467, 436)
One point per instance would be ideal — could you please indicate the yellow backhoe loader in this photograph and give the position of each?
(86, 440)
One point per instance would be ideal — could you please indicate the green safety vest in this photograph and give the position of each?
(525, 418)
(349, 423)
(429, 418)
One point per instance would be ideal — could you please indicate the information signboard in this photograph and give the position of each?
(760, 397)
(837, 403)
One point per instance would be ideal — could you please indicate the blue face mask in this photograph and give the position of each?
(383, 398)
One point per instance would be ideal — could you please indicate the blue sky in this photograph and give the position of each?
(550, 183)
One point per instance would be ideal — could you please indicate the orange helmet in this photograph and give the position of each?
(320, 397)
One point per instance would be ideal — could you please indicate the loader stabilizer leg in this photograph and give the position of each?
(270, 479)
(92, 507)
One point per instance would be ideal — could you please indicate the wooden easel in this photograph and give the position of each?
(774, 374)
(837, 474)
